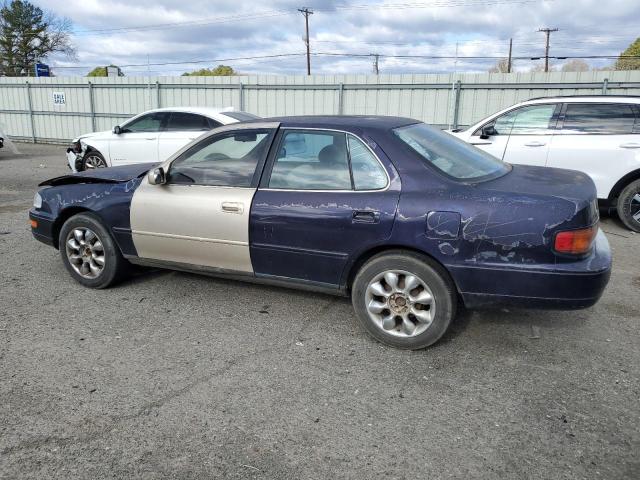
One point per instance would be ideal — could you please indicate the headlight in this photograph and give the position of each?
(76, 147)
(37, 200)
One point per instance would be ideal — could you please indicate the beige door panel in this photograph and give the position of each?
(193, 224)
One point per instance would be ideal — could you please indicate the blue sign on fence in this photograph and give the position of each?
(42, 70)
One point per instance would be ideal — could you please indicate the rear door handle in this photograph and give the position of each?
(232, 207)
(366, 216)
(535, 143)
(630, 145)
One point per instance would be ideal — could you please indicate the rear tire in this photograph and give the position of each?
(89, 252)
(404, 299)
(629, 206)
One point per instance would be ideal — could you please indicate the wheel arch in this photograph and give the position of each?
(63, 216)
(364, 257)
(620, 184)
(92, 148)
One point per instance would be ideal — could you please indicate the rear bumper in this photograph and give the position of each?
(574, 285)
(43, 229)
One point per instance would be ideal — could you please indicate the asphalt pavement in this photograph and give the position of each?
(174, 375)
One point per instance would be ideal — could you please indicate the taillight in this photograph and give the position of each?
(575, 242)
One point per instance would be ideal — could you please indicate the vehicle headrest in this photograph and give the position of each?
(330, 155)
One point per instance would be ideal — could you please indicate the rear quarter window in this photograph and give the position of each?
(599, 118)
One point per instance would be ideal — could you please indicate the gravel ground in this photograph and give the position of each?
(172, 375)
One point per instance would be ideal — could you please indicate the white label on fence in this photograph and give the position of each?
(58, 98)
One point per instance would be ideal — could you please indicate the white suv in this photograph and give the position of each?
(151, 136)
(598, 135)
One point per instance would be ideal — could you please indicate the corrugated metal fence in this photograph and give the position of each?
(58, 109)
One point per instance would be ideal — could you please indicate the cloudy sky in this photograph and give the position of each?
(209, 32)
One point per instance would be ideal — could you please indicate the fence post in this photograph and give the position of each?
(341, 99)
(605, 85)
(33, 130)
(92, 107)
(157, 94)
(241, 95)
(456, 108)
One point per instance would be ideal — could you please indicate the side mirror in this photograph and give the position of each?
(157, 176)
(488, 131)
(117, 130)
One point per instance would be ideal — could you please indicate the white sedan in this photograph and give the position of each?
(152, 136)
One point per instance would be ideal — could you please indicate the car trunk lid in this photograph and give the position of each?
(572, 186)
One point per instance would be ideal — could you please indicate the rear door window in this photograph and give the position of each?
(599, 118)
(316, 160)
(187, 122)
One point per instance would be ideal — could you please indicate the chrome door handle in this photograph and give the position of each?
(150, 138)
(535, 144)
(630, 145)
(232, 207)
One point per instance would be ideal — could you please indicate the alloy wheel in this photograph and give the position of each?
(400, 303)
(634, 207)
(85, 252)
(94, 161)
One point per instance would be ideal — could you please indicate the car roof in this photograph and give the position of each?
(207, 111)
(635, 99)
(589, 98)
(342, 121)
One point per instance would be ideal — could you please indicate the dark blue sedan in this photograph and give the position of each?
(407, 220)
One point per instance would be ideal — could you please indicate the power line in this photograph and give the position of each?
(188, 62)
(359, 56)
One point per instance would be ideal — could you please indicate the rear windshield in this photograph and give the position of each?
(241, 116)
(450, 155)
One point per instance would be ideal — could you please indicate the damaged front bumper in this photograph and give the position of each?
(74, 159)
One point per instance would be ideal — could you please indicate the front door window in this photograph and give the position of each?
(225, 160)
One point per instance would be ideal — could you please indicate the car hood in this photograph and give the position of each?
(103, 175)
(93, 135)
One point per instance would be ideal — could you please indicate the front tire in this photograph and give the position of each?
(93, 159)
(404, 299)
(89, 252)
(629, 206)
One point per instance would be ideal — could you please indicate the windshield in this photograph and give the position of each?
(450, 155)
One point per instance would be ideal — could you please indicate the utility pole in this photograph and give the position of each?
(547, 32)
(510, 50)
(376, 68)
(306, 12)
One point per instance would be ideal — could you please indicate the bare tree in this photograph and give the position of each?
(502, 66)
(575, 65)
(28, 35)
(540, 68)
